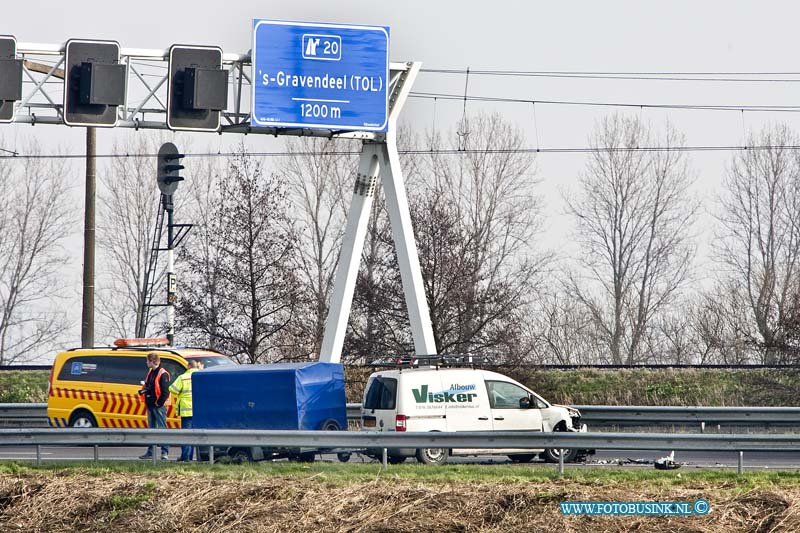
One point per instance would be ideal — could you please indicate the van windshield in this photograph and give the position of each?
(382, 394)
(211, 360)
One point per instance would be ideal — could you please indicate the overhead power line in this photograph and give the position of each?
(461, 97)
(646, 76)
(422, 151)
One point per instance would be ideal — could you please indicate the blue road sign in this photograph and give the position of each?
(316, 75)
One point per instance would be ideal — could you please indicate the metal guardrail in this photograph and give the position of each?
(672, 415)
(393, 439)
(23, 415)
(35, 415)
(364, 440)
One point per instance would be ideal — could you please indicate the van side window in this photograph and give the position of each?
(504, 395)
(174, 368)
(82, 368)
(382, 394)
(125, 370)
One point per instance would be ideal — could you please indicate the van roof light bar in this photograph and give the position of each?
(441, 360)
(137, 343)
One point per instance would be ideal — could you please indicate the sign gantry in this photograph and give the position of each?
(304, 79)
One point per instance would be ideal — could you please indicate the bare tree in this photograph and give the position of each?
(200, 260)
(35, 221)
(634, 215)
(319, 173)
(129, 201)
(716, 318)
(475, 217)
(243, 297)
(559, 330)
(759, 241)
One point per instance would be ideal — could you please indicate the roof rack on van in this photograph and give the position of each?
(440, 360)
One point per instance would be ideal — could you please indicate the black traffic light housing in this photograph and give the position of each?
(168, 167)
(10, 77)
(197, 88)
(94, 83)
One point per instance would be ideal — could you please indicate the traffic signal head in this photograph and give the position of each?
(167, 168)
(94, 83)
(197, 88)
(10, 77)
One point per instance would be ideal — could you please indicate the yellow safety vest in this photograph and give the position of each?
(182, 389)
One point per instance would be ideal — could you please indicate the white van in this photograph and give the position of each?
(461, 399)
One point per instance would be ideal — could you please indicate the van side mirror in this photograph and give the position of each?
(525, 403)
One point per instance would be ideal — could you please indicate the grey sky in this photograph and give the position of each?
(676, 36)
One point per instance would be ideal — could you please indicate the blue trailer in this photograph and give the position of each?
(286, 396)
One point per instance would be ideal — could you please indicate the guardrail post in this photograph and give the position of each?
(155, 449)
(702, 427)
(561, 462)
(740, 468)
(211, 455)
(38, 455)
(385, 459)
(96, 453)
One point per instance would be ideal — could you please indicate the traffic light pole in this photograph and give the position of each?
(171, 289)
(87, 316)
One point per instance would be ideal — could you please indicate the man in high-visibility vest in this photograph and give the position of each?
(182, 389)
(156, 398)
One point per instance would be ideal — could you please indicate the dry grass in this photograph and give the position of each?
(44, 501)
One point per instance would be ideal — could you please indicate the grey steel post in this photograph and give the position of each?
(96, 452)
(167, 168)
(38, 455)
(87, 317)
(168, 205)
(211, 455)
(385, 459)
(561, 462)
(740, 467)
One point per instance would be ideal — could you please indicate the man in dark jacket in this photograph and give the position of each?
(156, 396)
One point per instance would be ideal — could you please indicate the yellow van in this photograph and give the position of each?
(98, 387)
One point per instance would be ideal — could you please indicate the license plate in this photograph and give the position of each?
(369, 422)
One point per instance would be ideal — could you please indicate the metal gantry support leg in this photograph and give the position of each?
(350, 255)
(380, 159)
(406, 247)
(383, 159)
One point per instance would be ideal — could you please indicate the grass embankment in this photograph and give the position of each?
(23, 386)
(762, 387)
(332, 497)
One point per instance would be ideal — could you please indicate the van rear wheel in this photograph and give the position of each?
(433, 456)
(82, 419)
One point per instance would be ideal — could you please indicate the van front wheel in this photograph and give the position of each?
(550, 455)
(432, 456)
